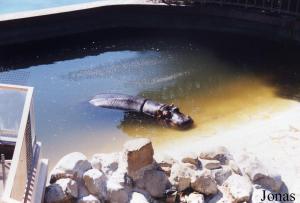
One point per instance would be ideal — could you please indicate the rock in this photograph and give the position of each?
(239, 187)
(89, 199)
(258, 194)
(195, 198)
(95, 182)
(138, 198)
(259, 173)
(71, 165)
(210, 164)
(220, 175)
(191, 159)
(165, 161)
(138, 175)
(167, 170)
(183, 198)
(138, 153)
(220, 197)
(64, 190)
(107, 163)
(191, 166)
(181, 176)
(155, 182)
(69, 186)
(117, 193)
(171, 198)
(216, 153)
(55, 194)
(82, 190)
(235, 168)
(204, 183)
(271, 182)
(118, 189)
(217, 198)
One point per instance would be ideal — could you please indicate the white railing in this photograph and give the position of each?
(26, 165)
(290, 7)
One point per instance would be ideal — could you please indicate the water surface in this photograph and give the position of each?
(219, 80)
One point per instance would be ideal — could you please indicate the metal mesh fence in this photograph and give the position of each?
(21, 177)
(290, 7)
(18, 77)
(30, 143)
(29, 146)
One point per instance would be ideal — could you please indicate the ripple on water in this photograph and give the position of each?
(218, 86)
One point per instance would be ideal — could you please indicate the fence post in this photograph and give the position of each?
(3, 169)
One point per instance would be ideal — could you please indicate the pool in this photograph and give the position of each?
(29, 5)
(219, 80)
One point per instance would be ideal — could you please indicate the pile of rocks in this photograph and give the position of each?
(133, 176)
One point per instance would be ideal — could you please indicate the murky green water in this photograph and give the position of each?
(214, 78)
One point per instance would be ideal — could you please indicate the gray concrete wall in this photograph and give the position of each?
(38, 27)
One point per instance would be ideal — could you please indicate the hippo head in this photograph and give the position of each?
(171, 115)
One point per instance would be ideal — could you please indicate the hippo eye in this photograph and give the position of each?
(175, 109)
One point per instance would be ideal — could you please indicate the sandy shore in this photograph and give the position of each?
(275, 140)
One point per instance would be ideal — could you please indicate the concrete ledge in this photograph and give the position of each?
(63, 21)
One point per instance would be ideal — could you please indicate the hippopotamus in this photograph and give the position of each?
(168, 114)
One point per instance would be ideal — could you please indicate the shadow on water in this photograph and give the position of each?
(138, 120)
(142, 121)
(277, 62)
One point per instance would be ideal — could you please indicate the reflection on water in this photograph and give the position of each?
(217, 83)
(240, 99)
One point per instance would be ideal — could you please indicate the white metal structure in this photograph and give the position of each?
(28, 173)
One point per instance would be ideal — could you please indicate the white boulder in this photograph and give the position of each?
(204, 183)
(64, 190)
(195, 198)
(181, 176)
(191, 159)
(234, 167)
(89, 199)
(164, 160)
(239, 187)
(210, 164)
(107, 163)
(219, 153)
(118, 190)
(95, 182)
(71, 165)
(221, 174)
(259, 173)
(138, 198)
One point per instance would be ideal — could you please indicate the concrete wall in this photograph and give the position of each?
(38, 27)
